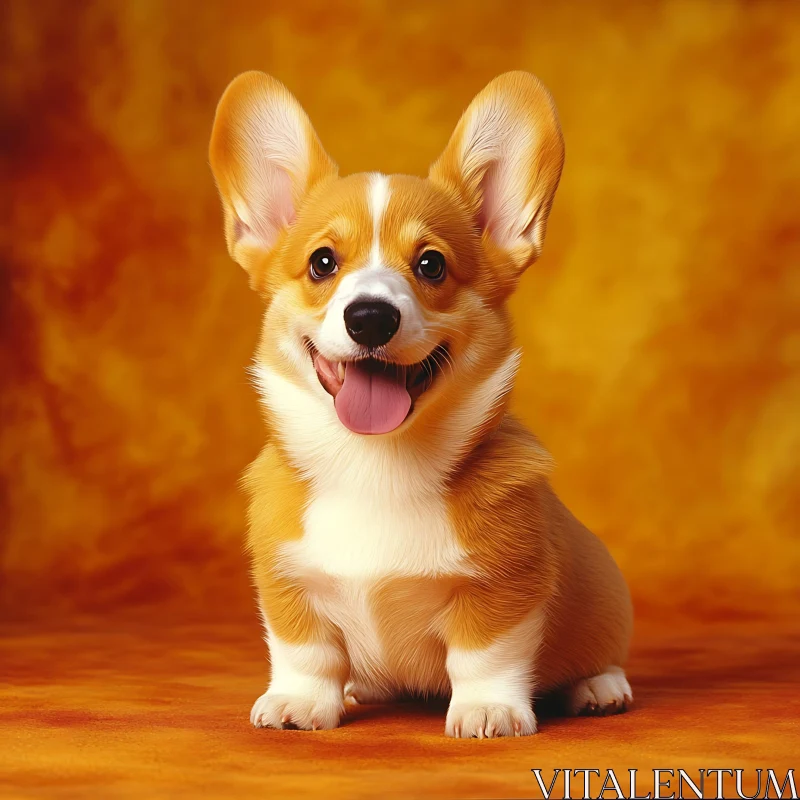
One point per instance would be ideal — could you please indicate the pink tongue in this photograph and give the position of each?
(372, 402)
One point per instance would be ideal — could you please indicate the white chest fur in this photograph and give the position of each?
(355, 535)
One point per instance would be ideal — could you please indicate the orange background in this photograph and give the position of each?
(661, 329)
(661, 336)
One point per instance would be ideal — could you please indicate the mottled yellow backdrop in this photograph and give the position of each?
(661, 328)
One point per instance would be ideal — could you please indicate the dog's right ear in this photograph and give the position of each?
(504, 161)
(266, 157)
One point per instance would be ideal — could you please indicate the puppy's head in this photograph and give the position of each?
(386, 295)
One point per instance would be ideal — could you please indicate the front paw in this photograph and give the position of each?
(308, 713)
(488, 721)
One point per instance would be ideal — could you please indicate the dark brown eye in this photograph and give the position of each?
(431, 265)
(322, 263)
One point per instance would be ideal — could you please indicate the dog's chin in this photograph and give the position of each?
(376, 396)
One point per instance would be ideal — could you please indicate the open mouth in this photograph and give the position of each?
(375, 396)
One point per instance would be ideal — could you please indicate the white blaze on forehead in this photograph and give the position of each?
(378, 193)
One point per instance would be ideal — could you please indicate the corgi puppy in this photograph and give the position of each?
(403, 534)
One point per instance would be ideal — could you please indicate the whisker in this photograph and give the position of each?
(442, 353)
(449, 359)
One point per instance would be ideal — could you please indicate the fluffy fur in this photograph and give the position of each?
(436, 558)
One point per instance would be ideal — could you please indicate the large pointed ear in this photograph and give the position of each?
(504, 161)
(265, 157)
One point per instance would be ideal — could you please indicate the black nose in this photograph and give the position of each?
(371, 322)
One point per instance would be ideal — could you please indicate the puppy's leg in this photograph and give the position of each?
(606, 693)
(309, 668)
(492, 685)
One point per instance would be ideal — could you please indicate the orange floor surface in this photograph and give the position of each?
(150, 710)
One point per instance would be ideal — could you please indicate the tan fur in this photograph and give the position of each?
(502, 489)
(275, 516)
(526, 554)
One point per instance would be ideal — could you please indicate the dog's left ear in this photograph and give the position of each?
(504, 161)
(266, 158)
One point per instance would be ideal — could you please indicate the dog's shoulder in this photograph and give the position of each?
(500, 500)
